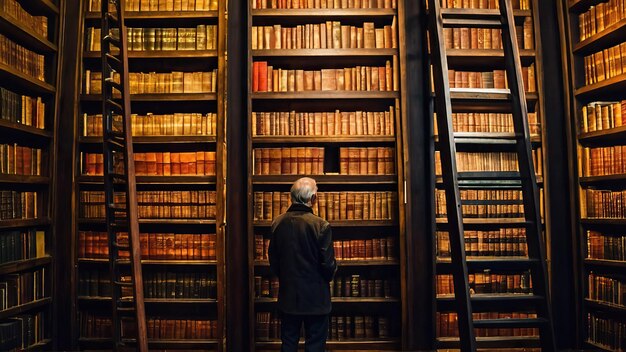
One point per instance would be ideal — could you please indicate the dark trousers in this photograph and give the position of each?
(315, 332)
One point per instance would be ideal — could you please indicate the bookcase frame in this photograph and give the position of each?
(578, 95)
(349, 100)
(46, 140)
(170, 103)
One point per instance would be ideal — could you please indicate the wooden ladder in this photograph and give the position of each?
(525, 179)
(119, 182)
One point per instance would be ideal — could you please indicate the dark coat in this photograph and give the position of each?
(301, 255)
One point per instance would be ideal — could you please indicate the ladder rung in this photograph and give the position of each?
(509, 323)
(114, 62)
(110, 16)
(502, 298)
(115, 105)
(489, 175)
(119, 226)
(110, 82)
(124, 247)
(123, 283)
(112, 40)
(471, 23)
(126, 309)
(115, 176)
(115, 134)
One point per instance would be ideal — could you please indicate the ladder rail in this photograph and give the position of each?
(109, 22)
(443, 105)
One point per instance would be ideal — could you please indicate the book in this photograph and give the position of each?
(495, 79)
(487, 282)
(599, 203)
(325, 4)
(605, 64)
(489, 161)
(177, 124)
(157, 83)
(484, 203)
(22, 59)
(19, 160)
(22, 331)
(366, 161)
(37, 24)
(600, 18)
(605, 331)
(22, 109)
(599, 116)
(199, 163)
(606, 246)
(482, 4)
(447, 324)
(504, 242)
(201, 37)
(160, 5)
(22, 288)
(15, 205)
(21, 245)
(489, 123)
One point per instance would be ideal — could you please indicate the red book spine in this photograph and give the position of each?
(262, 76)
(255, 77)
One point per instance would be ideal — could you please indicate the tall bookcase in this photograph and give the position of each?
(596, 47)
(495, 241)
(177, 64)
(298, 48)
(29, 33)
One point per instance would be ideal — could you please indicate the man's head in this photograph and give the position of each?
(304, 191)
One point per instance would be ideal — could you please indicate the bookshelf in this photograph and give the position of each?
(177, 61)
(594, 35)
(494, 224)
(29, 69)
(353, 83)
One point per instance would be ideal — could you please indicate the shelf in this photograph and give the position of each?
(158, 180)
(8, 127)
(579, 6)
(327, 179)
(488, 180)
(21, 223)
(160, 54)
(156, 221)
(333, 95)
(160, 98)
(611, 36)
(484, 58)
(323, 52)
(40, 7)
(615, 264)
(24, 36)
(482, 13)
(470, 223)
(603, 137)
(151, 262)
(24, 265)
(603, 181)
(354, 345)
(609, 89)
(25, 308)
(93, 299)
(159, 16)
(597, 346)
(268, 300)
(607, 307)
(24, 82)
(340, 223)
(492, 342)
(485, 302)
(90, 343)
(334, 140)
(39, 346)
(364, 262)
(158, 140)
(323, 13)
(603, 221)
(23, 180)
(476, 264)
(504, 139)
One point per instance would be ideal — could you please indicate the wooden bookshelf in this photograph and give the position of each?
(582, 96)
(19, 130)
(162, 61)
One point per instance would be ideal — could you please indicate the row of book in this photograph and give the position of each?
(606, 246)
(157, 164)
(448, 324)
(177, 124)
(606, 332)
(483, 4)
(488, 282)
(489, 161)
(323, 4)
(604, 161)
(22, 331)
(19, 160)
(487, 38)
(600, 17)
(338, 123)
(156, 204)
(21, 59)
(492, 79)
(157, 83)
(21, 245)
(488, 123)
(154, 246)
(382, 248)
(606, 289)
(22, 109)
(328, 35)
(161, 5)
(360, 78)
(160, 284)
(341, 327)
(605, 64)
(98, 326)
(288, 161)
(358, 286)
(505, 242)
(604, 203)
(265, 286)
(19, 289)
(484, 203)
(16, 205)
(599, 116)
(366, 161)
(331, 205)
(202, 37)
(37, 24)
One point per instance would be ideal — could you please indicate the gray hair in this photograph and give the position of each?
(303, 190)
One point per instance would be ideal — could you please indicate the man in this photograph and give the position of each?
(302, 257)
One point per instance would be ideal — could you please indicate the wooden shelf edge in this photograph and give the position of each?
(193, 222)
(153, 300)
(323, 52)
(24, 179)
(160, 97)
(341, 262)
(165, 180)
(323, 12)
(160, 54)
(41, 345)
(451, 12)
(24, 265)
(341, 223)
(340, 300)
(155, 139)
(37, 7)
(605, 263)
(13, 311)
(21, 223)
(153, 261)
(610, 36)
(25, 81)
(616, 133)
(322, 139)
(159, 15)
(25, 36)
(334, 95)
(9, 126)
(606, 306)
(578, 6)
(492, 342)
(190, 343)
(327, 179)
(590, 180)
(589, 91)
